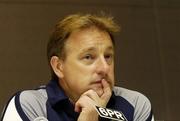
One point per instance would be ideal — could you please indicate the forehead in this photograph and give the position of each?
(89, 39)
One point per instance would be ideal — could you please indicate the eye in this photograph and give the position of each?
(109, 58)
(88, 57)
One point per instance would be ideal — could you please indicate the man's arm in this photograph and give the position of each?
(86, 103)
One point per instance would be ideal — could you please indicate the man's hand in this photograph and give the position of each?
(86, 103)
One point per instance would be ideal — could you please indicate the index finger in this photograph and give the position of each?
(107, 90)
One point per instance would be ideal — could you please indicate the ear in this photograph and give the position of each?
(57, 66)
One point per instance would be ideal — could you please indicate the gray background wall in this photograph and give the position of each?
(148, 47)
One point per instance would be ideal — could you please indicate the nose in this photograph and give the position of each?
(102, 67)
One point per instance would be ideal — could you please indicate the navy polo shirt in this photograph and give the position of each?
(50, 102)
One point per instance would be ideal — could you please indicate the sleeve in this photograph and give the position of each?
(25, 106)
(143, 109)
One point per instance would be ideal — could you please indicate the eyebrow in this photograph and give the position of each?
(110, 48)
(93, 49)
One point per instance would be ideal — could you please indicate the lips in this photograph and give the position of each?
(100, 80)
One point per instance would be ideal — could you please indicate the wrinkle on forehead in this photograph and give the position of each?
(91, 38)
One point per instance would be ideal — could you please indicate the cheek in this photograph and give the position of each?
(79, 86)
(111, 76)
(78, 76)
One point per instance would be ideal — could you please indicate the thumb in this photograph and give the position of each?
(77, 107)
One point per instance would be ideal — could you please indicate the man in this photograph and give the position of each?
(81, 56)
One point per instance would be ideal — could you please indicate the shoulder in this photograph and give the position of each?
(131, 96)
(28, 104)
(141, 104)
(33, 102)
(33, 96)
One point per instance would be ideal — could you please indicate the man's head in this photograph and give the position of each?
(81, 53)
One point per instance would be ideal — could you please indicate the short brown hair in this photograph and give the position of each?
(65, 27)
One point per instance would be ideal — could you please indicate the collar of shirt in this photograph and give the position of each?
(59, 102)
(55, 93)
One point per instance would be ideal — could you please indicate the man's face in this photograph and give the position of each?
(89, 59)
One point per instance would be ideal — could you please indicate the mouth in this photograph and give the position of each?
(98, 82)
